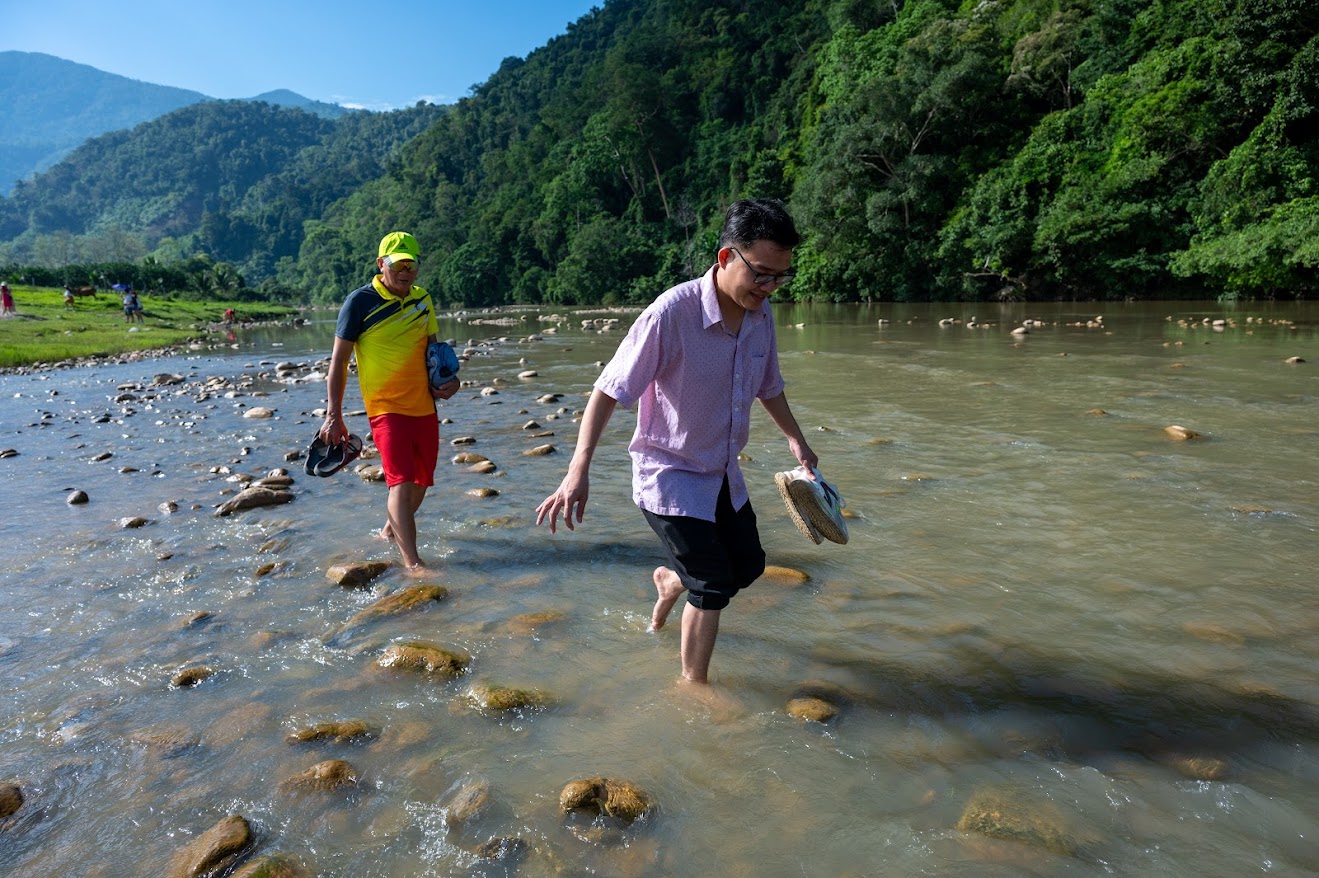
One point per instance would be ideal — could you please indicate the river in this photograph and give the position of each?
(1060, 641)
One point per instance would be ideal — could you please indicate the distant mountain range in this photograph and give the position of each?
(48, 106)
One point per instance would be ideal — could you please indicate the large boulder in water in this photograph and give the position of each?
(275, 866)
(357, 574)
(11, 799)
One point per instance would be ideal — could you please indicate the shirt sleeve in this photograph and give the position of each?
(772, 384)
(349, 325)
(635, 363)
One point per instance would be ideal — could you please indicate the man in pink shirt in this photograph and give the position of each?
(693, 363)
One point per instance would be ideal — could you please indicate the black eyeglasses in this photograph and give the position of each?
(761, 279)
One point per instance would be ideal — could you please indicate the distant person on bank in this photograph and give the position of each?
(387, 323)
(693, 363)
(6, 300)
(68, 297)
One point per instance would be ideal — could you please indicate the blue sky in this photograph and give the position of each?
(333, 50)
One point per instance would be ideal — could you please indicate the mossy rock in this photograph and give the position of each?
(411, 598)
(213, 852)
(497, 699)
(812, 709)
(422, 657)
(336, 732)
(275, 866)
(332, 774)
(619, 799)
(1006, 815)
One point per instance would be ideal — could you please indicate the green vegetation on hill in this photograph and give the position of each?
(931, 149)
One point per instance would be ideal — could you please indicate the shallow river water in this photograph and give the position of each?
(1060, 641)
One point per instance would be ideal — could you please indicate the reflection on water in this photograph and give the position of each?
(1050, 613)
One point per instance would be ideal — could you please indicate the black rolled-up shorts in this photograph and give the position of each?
(713, 559)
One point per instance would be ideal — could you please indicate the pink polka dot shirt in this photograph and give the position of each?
(693, 382)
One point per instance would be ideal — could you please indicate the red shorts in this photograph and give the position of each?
(409, 447)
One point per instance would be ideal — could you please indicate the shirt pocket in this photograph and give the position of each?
(754, 374)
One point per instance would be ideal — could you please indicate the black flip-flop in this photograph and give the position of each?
(339, 456)
(316, 452)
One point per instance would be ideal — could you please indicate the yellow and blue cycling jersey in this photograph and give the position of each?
(389, 336)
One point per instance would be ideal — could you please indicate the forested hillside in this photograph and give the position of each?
(231, 180)
(931, 149)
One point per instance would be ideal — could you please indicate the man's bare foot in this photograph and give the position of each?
(418, 569)
(669, 588)
(386, 533)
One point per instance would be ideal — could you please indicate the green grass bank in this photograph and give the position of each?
(45, 330)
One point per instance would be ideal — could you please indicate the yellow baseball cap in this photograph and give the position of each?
(399, 245)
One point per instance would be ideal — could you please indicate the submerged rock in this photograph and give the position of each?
(539, 451)
(77, 498)
(213, 852)
(1185, 434)
(356, 574)
(422, 657)
(530, 623)
(811, 708)
(411, 598)
(620, 799)
(482, 493)
(468, 457)
(1004, 814)
(473, 797)
(784, 575)
(506, 848)
(494, 698)
(11, 799)
(338, 732)
(275, 866)
(191, 676)
(332, 774)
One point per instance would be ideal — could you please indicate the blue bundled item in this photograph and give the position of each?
(441, 363)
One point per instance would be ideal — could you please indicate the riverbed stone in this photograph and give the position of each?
(77, 498)
(370, 472)
(426, 658)
(189, 677)
(259, 411)
(1293, 361)
(165, 379)
(133, 523)
(332, 774)
(413, 597)
(463, 440)
(8, 452)
(482, 493)
(253, 497)
(784, 575)
(1008, 815)
(1182, 434)
(812, 709)
(531, 623)
(472, 797)
(539, 451)
(508, 849)
(11, 799)
(494, 698)
(275, 866)
(483, 468)
(334, 732)
(213, 852)
(356, 574)
(469, 457)
(620, 799)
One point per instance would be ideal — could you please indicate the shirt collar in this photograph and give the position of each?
(384, 291)
(710, 312)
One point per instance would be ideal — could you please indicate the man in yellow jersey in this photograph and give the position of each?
(387, 323)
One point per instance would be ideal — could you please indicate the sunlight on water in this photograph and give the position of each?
(1059, 641)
